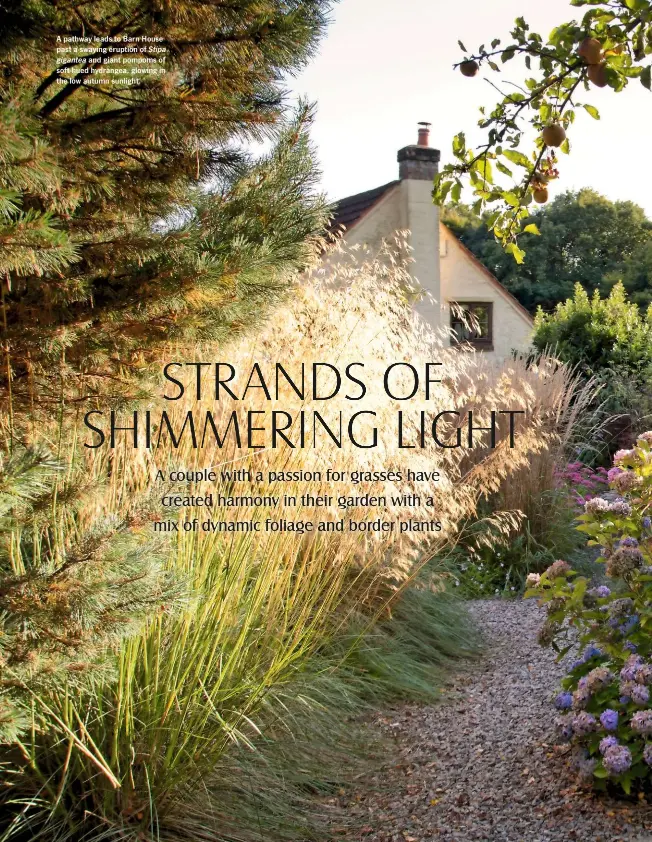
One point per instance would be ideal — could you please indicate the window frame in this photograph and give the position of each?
(481, 343)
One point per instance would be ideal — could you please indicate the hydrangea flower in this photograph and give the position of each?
(558, 569)
(646, 436)
(644, 674)
(647, 754)
(609, 721)
(565, 726)
(621, 455)
(533, 580)
(624, 560)
(626, 688)
(607, 743)
(626, 481)
(620, 507)
(602, 592)
(646, 523)
(595, 505)
(631, 668)
(629, 646)
(642, 722)
(591, 652)
(621, 607)
(564, 700)
(617, 759)
(584, 723)
(598, 678)
(629, 624)
(581, 697)
(640, 695)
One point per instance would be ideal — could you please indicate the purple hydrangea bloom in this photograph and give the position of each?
(609, 719)
(642, 722)
(640, 694)
(564, 700)
(631, 668)
(646, 522)
(629, 542)
(565, 726)
(607, 743)
(602, 592)
(617, 759)
(591, 652)
(620, 507)
(584, 723)
(631, 647)
(647, 754)
(644, 675)
(624, 700)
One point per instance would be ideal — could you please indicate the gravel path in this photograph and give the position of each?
(482, 764)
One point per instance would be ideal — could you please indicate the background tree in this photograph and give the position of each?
(607, 339)
(610, 46)
(584, 238)
(130, 216)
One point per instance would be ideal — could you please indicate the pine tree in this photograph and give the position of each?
(72, 585)
(131, 216)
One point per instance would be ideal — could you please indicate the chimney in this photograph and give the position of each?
(420, 216)
(419, 161)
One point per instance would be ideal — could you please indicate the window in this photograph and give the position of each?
(472, 323)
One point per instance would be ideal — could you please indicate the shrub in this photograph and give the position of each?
(607, 339)
(606, 696)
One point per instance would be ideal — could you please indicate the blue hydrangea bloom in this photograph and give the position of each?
(617, 759)
(564, 700)
(591, 652)
(629, 624)
(647, 522)
(609, 719)
(640, 694)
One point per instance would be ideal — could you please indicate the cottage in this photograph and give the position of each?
(459, 292)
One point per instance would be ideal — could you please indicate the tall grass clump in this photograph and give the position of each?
(497, 560)
(262, 625)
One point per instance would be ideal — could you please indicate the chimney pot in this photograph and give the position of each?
(424, 134)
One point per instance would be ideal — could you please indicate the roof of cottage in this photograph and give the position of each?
(350, 210)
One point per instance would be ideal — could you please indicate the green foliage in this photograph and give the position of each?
(615, 673)
(606, 338)
(505, 179)
(583, 238)
(488, 563)
(130, 217)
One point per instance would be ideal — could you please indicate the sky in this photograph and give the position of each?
(387, 64)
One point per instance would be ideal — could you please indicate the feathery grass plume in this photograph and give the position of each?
(71, 587)
(199, 685)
